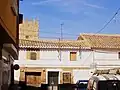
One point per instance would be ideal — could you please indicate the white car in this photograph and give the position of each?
(104, 82)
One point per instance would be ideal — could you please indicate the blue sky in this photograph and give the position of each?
(78, 16)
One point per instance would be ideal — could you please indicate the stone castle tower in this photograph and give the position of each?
(29, 30)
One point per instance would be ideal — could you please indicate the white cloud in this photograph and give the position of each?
(45, 2)
(72, 6)
(93, 6)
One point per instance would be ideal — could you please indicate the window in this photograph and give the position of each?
(118, 55)
(33, 56)
(73, 56)
(66, 77)
(26, 36)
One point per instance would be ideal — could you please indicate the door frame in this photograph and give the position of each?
(31, 73)
(53, 70)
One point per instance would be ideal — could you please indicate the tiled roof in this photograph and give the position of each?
(52, 44)
(102, 41)
(107, 41)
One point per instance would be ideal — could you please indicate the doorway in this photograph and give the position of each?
(33, 79)
(53, 80)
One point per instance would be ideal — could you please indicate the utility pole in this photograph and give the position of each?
(61, 38)
(62, 30)
(59, 50)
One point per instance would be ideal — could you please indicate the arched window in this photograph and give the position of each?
(33, 55)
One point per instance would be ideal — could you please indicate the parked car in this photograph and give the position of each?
(81, 84)
(104, 82)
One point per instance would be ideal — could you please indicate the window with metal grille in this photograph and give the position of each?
(66, 77)
(33, 55)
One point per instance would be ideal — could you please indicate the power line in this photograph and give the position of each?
(49, 37)
(69, 34)
(108, 21)
(99, 32)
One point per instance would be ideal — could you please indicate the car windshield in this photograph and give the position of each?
(82, 81)
(109, 85)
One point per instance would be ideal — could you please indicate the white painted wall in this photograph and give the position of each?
(22, 55)
(51, 58)
(102, 54)
(106, 59)
(87, 56)
(81, 74)
(49, 55)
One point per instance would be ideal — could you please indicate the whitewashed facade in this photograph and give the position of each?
(87, 60)
(103, 59)
(51, 61)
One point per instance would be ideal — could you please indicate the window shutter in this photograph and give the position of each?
(33, 55)
(73, 56)
(30, 55)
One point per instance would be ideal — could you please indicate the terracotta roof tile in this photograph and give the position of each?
(52, 44)
(102, 40)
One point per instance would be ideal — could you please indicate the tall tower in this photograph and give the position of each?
(29, 30)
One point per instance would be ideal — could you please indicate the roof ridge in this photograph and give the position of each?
(53, 40)
(96, 34)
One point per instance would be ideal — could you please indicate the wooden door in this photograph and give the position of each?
(33, 79)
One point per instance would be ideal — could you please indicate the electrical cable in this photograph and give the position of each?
(108, 21)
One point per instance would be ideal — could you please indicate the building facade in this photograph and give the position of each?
(56, 62)
(53, 60)
(74, 60)
(9, 29)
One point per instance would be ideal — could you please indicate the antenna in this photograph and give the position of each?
(62, 30)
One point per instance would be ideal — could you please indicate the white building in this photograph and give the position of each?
(58, 62)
